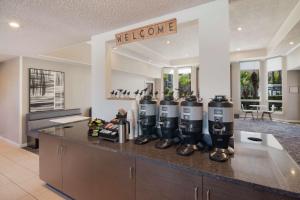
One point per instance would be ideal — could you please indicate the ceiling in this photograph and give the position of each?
(55, 26)
(52, 24)
(78, 53)
(260, 20)
(285, 46)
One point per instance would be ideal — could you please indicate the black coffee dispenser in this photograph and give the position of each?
(190, 128)
(220, 122)
(168, 120)
(147, 120)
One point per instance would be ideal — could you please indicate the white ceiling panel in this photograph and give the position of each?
(47, 25)
(259, 19)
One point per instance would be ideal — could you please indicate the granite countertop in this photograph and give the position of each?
(264, 164)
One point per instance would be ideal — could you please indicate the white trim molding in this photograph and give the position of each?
(13, 143)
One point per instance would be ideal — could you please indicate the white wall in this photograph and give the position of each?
(10, 121)
(192, 61)
(235, 86)
(128, 81)
(293, 59)
(214, 41)
(293, 106)
(249, 54)
(126, 64)
(77, 84)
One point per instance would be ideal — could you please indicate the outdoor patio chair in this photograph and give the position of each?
(247, 111)
(268, 112)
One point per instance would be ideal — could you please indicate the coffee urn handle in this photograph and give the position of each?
(208, 194)
(196, 193)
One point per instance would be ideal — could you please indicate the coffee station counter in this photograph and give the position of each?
(259, 169)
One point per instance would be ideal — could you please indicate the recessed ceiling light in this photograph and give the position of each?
(239, 28)
(238, 49)
(168, 42)
(291, 43)
(14, 24)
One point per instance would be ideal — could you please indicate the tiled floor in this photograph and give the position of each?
(19, 176)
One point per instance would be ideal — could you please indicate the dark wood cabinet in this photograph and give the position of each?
(115, 176)
(157, 181)
(84, 171)
(78, 170)
(50, 158)
(216, 189)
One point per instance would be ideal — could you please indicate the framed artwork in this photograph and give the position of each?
(46, 90)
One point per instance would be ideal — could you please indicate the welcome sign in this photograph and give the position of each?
(151, 31)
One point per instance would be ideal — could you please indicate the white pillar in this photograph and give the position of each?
(214, 39)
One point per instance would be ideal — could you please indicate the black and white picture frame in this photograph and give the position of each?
(46, 90)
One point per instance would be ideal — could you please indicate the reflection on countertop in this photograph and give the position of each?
(261, 162)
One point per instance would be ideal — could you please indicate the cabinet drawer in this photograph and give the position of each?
(216, 189)
(114, 176)
(157, 181)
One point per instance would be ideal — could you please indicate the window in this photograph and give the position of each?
(184, 81)
(249, 79)
(168, 76)
(274, 68)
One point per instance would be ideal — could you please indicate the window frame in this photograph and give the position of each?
(178, 77)
(247, 67)
(276, 65)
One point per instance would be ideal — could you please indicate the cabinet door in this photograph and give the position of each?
(115, 176)
(215, 189)
(78, 170)
(156, 181)
(50, 160)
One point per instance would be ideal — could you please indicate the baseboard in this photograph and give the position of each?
(13, 143)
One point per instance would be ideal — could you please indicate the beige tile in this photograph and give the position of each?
(31, 164)
(17, 174)
(3, 181)
(5, 163)
(50, 195)
(16, 155)
(4, 146)
(12, 192)
(28, 197)
(19, 179)
(33, 186)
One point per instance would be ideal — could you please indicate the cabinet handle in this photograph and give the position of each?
(208, 194)
(196, 193)
(58, 150)
(131, 172)
(61, 149)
